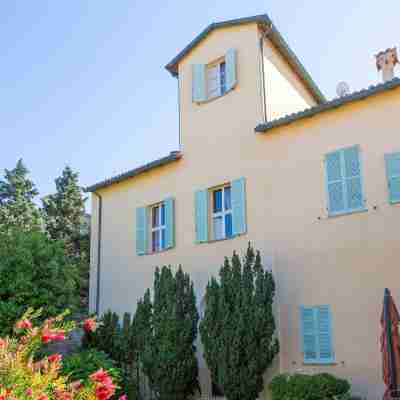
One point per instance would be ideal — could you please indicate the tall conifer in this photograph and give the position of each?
(238, 328)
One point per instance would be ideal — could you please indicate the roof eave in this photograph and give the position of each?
(173, 156)
(328, 106)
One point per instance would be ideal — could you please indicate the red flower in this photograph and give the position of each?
(123, 397)
(53, 358)
(43, 396)
(89, 325)
(60, 335)
(105, 391)
(29, 392)
(2, 344)
(48, 335)
(99, 376)
(24, 324)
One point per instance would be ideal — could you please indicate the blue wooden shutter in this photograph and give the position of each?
(201, 216)
(169, 205)
(141, 231)
(334, 182)
(353, 181)
(230, 69)
(198, 83)
(238, 198)
(324, 325)
(393, 176)
(309, 334)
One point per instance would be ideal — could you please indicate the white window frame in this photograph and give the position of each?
(159, 228)
(221, 89)
(221, 213)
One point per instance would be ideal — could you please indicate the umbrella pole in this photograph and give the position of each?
(388, 324)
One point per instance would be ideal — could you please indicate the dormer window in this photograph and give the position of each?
(214, 79)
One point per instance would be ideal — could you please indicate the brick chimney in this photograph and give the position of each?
(386, 61)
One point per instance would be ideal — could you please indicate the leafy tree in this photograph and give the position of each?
(167, 328)
(238, 327)
(65, 211)
(34, 271)
(17, 208)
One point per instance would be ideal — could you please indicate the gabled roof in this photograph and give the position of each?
(330, 105)
(273, 35)
(173, 156)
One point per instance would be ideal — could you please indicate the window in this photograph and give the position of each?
(393, 176)
(216, 80)
(316, 333)
(344, 181)
(155, 227)
(158, 228)
(222, 213)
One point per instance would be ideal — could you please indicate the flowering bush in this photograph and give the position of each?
(23, 377)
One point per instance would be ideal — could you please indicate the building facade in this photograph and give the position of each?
(313, 184)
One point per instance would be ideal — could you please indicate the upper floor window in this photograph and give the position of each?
(155, 227)
(214, 79)
(344, 181)
(393, 176)
(158, 228)
(220, 212)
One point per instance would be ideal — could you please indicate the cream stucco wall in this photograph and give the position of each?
(345, 261)
(284, 91)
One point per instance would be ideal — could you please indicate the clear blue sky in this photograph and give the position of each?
(83, 82)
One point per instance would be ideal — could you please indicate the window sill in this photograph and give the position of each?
(343, 213)
(211, 99)
(221, 240)
(319, 363)
(153, 253)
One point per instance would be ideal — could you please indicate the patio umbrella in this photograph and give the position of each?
(390, 346)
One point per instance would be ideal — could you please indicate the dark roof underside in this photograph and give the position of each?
(173, 156)
(330, 105)
(273, 35)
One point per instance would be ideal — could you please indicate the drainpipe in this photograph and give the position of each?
(264, 35)
(179, 114)
(99, 228)
(263, 89)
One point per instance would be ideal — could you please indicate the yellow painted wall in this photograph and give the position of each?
(345, 261)
(284, 92)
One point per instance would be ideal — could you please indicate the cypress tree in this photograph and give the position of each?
(167, 329)
(65, 210)
(17, 207)
(238, 328)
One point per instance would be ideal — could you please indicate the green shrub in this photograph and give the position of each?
(34, 272)
(238, 328)
(119, 343)
(308, 387)
(79, 366)
(107, 336)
